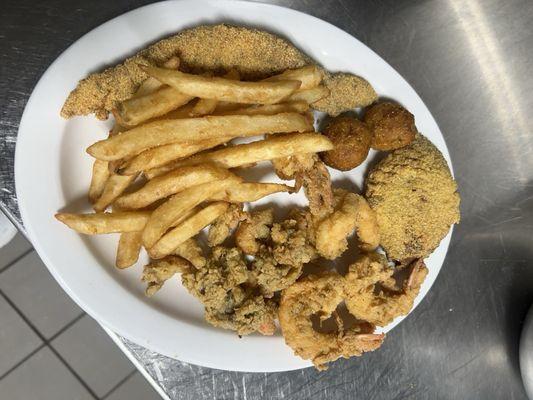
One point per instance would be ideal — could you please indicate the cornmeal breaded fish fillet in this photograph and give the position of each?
(253, 53)
(415, 199)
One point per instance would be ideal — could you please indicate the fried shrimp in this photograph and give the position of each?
(371, 293)
(254, 228)
(351, 212)
(158, 272)
(320, 295)
(222, 227)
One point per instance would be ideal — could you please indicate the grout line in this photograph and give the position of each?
(73, 372)
(55, 335)
(119, 384)
(40, 335)
(26, 358)
(5, 267)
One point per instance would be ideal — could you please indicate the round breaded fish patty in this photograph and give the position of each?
(415, 199)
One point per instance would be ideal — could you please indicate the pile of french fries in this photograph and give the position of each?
(165, 171)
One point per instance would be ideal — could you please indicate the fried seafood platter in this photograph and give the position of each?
(197, 119)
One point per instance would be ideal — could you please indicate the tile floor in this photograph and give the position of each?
(50, 349)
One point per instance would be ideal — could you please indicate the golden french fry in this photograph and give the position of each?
(267, 109)
(163, 132)
(129, 247)
(158, 156)
(249, 153)
(224, 89)
(139, 109)
(114, 187)
(309, 95)
(310, 76)
(207, 106)
(98, 223)
(150, 85)
(167, 213)
(99, 178)
(187, 229)
(248, 192)
(173, 182)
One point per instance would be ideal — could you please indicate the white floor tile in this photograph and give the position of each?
(14, 249)
(33, 290)
(17, 340)
(93, 355)
(42, 377)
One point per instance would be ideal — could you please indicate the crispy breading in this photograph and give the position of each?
(255, 228)
(224, 225)
(192, 252)
(158, 272)
(415, 199)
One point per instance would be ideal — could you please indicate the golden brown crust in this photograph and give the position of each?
(415, 199)
(253, 53)
(351, 139)
(392, 126)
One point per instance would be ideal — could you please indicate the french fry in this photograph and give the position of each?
(150, 85)
(139, 109)
(187, 229)
(224, 89)
(173, 182)
(158, 156)
(114, 187)
(249, 153)
(99, 223)
(207, 106)
(248, 192)
(310, 76)
(129, 247)
(267, 109)
(309, 95)
(159, 133)
(167, 213)
(99, 178)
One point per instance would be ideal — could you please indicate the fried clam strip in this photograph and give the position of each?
(173, 182)
(187, 229)
(222, 89)
(167, 213)
(230, 302)
(320, 295)
(371, 293)
(99, 223)
(351, 212)
(158, 272)
(249, 153)
(129, 247)
(192, 252)
(159, 156)
(207, 106)
(162, 132)
(224, 225)
(249, 192)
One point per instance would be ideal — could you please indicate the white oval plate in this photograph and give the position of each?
(52, 171)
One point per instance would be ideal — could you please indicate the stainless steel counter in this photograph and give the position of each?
(470, 61)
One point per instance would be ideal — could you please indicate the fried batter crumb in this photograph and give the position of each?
(256, 227)
(225, 224)
(192, 252)
(158, 272)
